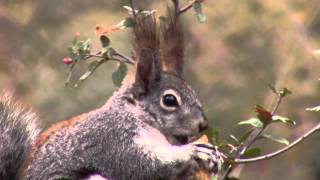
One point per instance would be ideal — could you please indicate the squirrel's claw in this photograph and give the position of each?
(209, 157)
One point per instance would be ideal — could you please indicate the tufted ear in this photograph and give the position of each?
(148, 71)
(147, 48)
(172, 46)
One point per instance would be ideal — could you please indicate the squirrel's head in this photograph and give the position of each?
(159, 87)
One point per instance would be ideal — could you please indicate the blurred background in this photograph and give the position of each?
(243, 46)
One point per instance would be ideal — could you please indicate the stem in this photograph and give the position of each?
(277, 105)
(69, 74)
(178, 11)
(123, 56)
(251, 139)
(276, 153)
(187, 7)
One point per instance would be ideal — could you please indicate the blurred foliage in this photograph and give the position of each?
(231, 58)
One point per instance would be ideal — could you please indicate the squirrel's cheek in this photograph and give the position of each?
(155, 145)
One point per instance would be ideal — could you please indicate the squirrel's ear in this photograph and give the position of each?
(148, 69)
(147, 48)
(172, 46)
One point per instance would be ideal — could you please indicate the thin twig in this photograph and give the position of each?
(187, 7)
(251, 139)
(275, 109)
(276, 153)
(69, 74)
(123, 56)
(180, 10)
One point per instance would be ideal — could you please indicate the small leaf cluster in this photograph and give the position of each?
(198, 11)
(240, 147)
(80, 48)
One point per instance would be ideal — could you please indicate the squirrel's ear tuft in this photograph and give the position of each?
(147, 47)
(173, 45)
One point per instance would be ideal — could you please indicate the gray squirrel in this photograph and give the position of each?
(143, 132)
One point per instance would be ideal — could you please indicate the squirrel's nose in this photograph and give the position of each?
(203, 125)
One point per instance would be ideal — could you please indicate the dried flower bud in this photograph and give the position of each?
(77, 34)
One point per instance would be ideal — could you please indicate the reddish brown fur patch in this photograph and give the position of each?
(45, 136)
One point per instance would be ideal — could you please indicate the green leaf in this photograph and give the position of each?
(236, 140)
(105, 41)
(90, 69)
(81, 49)
(104, 52)
(128, 8)
(129, 22)
(314, 109)
(126, 23)
(281, 119)
(198, 9)
(75, 40)
(276, 139)
(255, 122)
(110, 53)
(215, 177)
(251, 152)
(119, 74)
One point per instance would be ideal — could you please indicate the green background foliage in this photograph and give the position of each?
(230, 59)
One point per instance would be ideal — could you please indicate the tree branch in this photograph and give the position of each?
(187, 7)
(275, 109)
(251, 139)
(127, 59)
(117, 56)
(180, 10)
(270, 155)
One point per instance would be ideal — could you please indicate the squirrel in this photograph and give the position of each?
(143, 132)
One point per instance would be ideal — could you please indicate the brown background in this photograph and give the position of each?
(244, 45)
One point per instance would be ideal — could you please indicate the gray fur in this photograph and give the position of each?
(18, 130)
(103, 140)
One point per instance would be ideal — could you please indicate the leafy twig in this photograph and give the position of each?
(276, 153)
(252, 137)
(180, 10)
(126, 58)
(275, 109)
(122, 57)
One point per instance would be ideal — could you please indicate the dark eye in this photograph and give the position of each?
(170, 100)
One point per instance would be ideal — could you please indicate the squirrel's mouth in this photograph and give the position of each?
(183, 139)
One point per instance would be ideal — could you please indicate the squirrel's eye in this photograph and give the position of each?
(170, 100)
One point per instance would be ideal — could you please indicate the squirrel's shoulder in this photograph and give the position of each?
(62, 126)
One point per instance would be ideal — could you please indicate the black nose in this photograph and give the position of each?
(204, 125)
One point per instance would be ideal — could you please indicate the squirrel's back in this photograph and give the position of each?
(18, 130)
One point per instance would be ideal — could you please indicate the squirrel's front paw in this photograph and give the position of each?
(209, 157)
